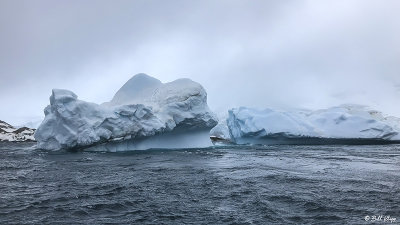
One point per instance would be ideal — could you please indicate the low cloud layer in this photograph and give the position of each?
(287, 54)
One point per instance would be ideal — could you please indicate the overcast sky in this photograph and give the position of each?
(307, 54)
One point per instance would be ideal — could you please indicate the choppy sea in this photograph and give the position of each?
(284, 184)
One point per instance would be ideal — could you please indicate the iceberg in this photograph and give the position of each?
(346, 124)
(144, 113)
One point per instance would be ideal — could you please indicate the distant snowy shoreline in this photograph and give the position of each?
(13, 134)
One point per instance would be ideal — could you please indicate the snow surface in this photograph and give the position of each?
(247, 125)
(10, 133)
(143, 107)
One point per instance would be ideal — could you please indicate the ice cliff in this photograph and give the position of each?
(342, 124)
(144, 113)
(10, 133)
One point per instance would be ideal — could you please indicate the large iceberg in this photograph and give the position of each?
(345, 124)
(144, 113)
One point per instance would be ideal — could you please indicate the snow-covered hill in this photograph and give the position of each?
(10, 133)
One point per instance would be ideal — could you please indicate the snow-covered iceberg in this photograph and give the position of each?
(144, 113)
(343, 124)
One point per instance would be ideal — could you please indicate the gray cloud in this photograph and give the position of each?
(256, 53)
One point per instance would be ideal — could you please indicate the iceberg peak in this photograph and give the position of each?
(139, 86)
(62, 95)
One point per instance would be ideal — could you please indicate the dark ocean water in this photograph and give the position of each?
(241, 185)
